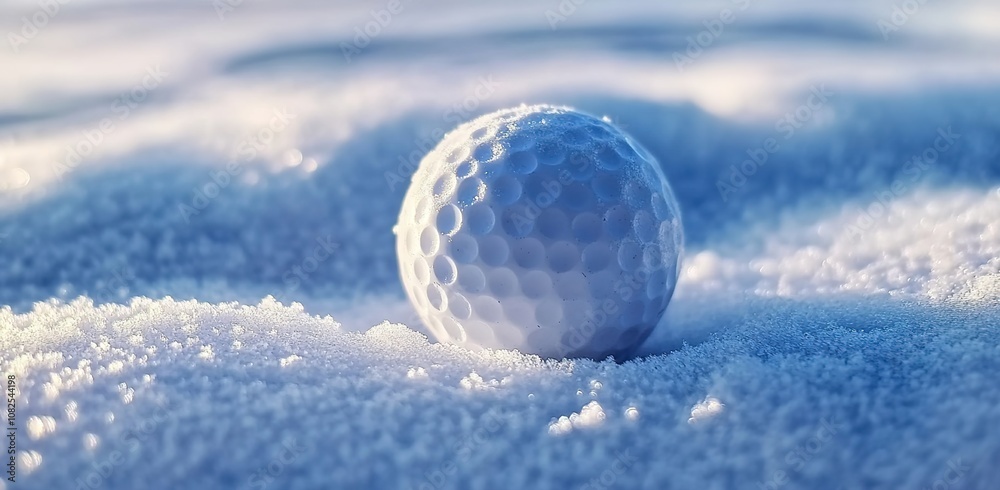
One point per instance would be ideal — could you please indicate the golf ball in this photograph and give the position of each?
(542, 229)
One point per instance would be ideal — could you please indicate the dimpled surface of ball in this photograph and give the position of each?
(541, 229)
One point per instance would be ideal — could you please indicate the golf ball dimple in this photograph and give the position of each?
(542, 229)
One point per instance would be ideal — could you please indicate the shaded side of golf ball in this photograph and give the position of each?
(541, 229)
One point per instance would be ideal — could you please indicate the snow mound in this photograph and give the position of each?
(165, 393)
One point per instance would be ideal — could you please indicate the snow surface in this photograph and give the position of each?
(835, 325)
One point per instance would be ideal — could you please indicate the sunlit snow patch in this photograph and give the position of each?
(705, 410)
(591, 415)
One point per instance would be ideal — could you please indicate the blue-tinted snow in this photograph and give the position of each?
(836, 324)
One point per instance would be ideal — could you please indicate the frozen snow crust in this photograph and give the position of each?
(171, 394)
(540, 229)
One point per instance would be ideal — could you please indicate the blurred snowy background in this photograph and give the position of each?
(165, 166)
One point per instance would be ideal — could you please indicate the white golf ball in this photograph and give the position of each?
(541, 229)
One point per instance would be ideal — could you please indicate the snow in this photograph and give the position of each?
(591, 415)
(835, 324)
(899, 382)
(705, 410)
